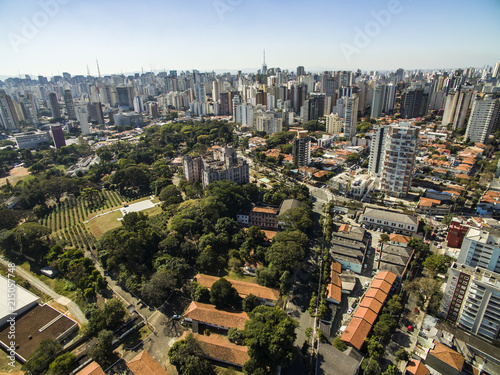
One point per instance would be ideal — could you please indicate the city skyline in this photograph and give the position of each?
(229, 35)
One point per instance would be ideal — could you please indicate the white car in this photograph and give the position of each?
(349, 311)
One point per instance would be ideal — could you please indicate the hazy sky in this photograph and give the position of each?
(48, 37)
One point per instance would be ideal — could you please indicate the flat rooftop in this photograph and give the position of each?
(23, 298)
(391, 215)
(40, 323)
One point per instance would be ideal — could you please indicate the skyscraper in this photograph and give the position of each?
(125, 96)
(483, 115)
(70, 107)
(82, 115)
(300, 71)
(377, 152)
(414, 103)
(496, 70)
(314, 107)
(390, 98)
(351, 116)
(398, 155)
(57, 136)
(54, 105)
(301, 151)
(378, 101)
(333, 124)
(8, 115)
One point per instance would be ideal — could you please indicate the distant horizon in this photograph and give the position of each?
(315, 70)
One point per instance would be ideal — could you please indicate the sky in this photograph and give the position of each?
(48, 37)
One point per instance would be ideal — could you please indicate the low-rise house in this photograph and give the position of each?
(201, 314)
(445, 360)
(334, 289)
(348, 247)
(144, 364)
(395, 258)
(394, 222)
(264, 217)
(266, 295)
(92, 369)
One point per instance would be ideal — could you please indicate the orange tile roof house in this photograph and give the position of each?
(334, 289)
(266, 295)
(445, 360)
(364, 317)
(144, 364)
(207, 314)
(92, 369)
(264, 217)
(415, 367)
(218, 348)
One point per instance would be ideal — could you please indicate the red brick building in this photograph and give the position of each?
(456, 233)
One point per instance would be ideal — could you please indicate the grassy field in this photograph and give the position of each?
(5, 368)
(237, 276)
(15, 175)
(226, 371)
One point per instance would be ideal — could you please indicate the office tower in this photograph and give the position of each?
(496, 71)
(297, 96)
(331, 87)
(95, 112)
(57, 135)
(378, 101)
(483, 116)
(377, 151)
(125, 96)
(333, 124)
(224, 103)
(399, 159)
(70, 107)
(300, 71)
(82, 116)
(390, 98)
(138, 104)
(400, 75)
(268, 123)
(414, 103)
(472, 300)
(314, 107)
(351, 116)
(153, 110)
(480, 249)
(29, 109)
(54, 105)
(8, 116)
(301, 151)
(215, 90)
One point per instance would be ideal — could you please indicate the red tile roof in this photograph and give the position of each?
(243, 288)
(356, 332)
(400, 238)
(202, 312)
(382, 285)
(378, 294)
(366, 314)
(92, 369)
(448, 356)
(417, 368)
(144, 364)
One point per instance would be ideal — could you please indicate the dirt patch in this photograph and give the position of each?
(15, 174)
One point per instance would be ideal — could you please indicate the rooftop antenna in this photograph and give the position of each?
(98, 70)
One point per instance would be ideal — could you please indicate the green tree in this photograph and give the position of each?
(103, 349)
(32, 239)
(223, 295)
(250, 302)
(270, 336)
(63, 364)
(394, 305)
(46, 352)
(384, 237)
(236, 336)
(424, 287)
(187, 358)
(339, 344)
(402, 355)
(285, 256)
(436, 263)
(296, 218)
(391, 370)
(370, 366)
(170, 195)
(201, 294)
(158, 288)
(374, 347)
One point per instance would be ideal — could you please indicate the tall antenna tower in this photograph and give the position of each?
(98, 70)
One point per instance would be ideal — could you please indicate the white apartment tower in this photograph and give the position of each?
(333, 124)
(398, 155)
(351, 116)
(482, 118)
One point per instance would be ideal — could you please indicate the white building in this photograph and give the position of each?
(32, 139)
(82, 116)
(333, 124)
(351, 116)
(391, 221)
(267, 122)
(480, 249)
(484, 112)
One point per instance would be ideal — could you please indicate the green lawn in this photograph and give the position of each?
(226, 371)
(237, 276)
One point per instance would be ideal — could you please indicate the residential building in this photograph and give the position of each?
(480, 249)
(377, 151)
(82, 116)
(394, 222)
(444, 360)
(333, 124)
(32, 139)
(378, 104)
(54, 105)
(144, 364)
(301, 149)
(125, 96)
(399, 159)
(413, 103)
(484, 114)
(267, 296)
(456, 233)
(267, 122)
(222, 164)
(70, 107)
(8, 116)
(351, 116)
(57, 134)
(334, 289)
(128, 119)
(394, 258)
(349, 247)
(314, 107)
(264, 217)
(335, 362)
(203, 315)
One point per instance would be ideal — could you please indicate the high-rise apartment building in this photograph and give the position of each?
(313, 108)
(377, 151)
(399, 152)
(301, 151)
(54, 105)
(57, 135)
(351, 116)
(390, 98)
(480, 249)
(414, 103)
(70, 107)
(82, 116)
(268, 123)
(125, 96)
(483, 117)
(8, 115)
(378, 101)
(333, 124)
(300, 71)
